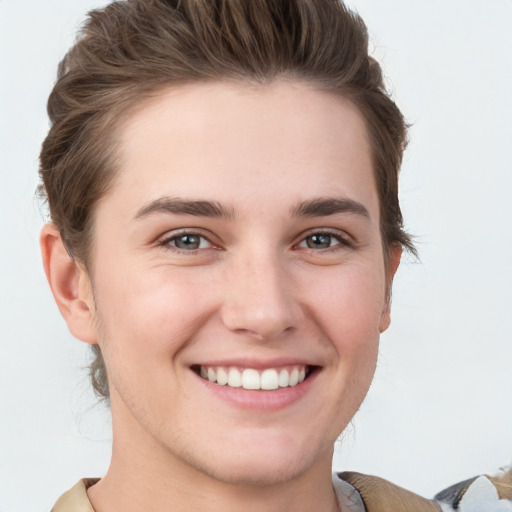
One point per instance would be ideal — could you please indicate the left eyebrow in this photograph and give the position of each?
(323, 207)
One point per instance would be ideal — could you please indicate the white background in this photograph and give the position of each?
(440, 409)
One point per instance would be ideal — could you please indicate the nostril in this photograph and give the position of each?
(260, 303)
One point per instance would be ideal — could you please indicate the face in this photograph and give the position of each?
(238, 279)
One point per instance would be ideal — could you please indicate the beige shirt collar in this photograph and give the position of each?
(76, 499)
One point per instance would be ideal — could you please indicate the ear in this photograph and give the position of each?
(70, 285)
(395, 253)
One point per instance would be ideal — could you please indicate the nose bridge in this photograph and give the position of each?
(260, 296)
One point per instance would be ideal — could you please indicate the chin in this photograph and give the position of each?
(258, 464)
(259, 474)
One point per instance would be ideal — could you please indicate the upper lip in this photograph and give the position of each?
(257, 364)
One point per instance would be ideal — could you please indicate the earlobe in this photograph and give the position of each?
(70, 285)
(395, 254)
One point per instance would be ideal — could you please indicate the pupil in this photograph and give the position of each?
(188, 242)
(319, 241)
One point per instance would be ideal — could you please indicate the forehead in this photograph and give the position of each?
(239, 143)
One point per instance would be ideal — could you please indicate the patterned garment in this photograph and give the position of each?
(478, 494)
(474, 495)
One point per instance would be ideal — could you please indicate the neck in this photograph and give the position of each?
(114, 493)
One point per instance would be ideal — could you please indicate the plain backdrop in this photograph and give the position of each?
(440, 408)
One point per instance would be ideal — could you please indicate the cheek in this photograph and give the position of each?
(349, 305)
(151, 315)
(349, 309)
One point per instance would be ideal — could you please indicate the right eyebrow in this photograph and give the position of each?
(185, 207)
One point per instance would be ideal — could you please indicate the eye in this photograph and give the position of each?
(187, 242)
(321, 241)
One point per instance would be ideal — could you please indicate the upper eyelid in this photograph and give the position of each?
(168, 236)
(338, 233)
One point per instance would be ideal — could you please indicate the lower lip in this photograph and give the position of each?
(259, 399)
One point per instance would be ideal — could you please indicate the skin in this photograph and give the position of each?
(258, 289)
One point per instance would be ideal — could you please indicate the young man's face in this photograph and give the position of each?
(240, 241)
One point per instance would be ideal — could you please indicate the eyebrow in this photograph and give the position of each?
(323, 207)
(185, 207)
(318, 207)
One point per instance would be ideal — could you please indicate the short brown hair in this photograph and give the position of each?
(132, 49)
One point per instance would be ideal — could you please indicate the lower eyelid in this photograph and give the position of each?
(169, 241)
(341, 240)
(206, 243)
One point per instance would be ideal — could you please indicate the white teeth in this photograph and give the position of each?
(234, 378)
(252, 379)
(269, 380)
(222, 377)
(284, 378)
(294, 377)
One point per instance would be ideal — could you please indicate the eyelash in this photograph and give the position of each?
(169, 242)
(342, 239)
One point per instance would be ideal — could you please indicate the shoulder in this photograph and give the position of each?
(76, 500)
(478, 494)
(481, 493)
(379, 495)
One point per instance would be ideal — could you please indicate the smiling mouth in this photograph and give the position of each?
(269, 379)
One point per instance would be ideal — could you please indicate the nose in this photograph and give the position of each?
(259, 299)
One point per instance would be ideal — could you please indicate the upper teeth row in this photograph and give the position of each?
(252, 379)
